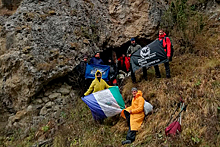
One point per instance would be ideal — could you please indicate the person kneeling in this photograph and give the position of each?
(134, 115)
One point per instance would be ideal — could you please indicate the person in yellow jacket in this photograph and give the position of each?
(134, 115)
(97, 84)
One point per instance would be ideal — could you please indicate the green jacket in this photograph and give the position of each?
(132, 49)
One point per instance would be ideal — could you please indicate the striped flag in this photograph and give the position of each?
(105, 103)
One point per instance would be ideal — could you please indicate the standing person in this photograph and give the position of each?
(124, 63)
(113, 72)
(131, 49)
(166, 43)
(82, 70)
(96, 59)
(82, 66)
(97, 84)
(134, 115)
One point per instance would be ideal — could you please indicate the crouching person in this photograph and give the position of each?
(134, 115)
(97, 84)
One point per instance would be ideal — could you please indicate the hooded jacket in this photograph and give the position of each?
(137, 111)
(97, 85)
(166, 44)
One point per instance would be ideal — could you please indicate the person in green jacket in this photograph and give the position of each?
(97, 84)
(131, 49)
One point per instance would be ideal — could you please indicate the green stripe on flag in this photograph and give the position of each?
(117, 95)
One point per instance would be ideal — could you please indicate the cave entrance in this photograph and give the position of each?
(115, 53)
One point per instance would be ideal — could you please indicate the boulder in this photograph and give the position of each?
(54, 96)
(64, 91)
(43, 111)
(49, 104)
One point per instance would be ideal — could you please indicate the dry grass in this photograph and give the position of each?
(195, 77)
(199, 85)
(82, 130)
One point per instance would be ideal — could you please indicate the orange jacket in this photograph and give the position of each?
(137, 111)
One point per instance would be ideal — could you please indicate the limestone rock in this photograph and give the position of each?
(45, 99)
(64, 91)
(49, 104)
(43, 111)
(47, 93)
(38, 101)
(30, 108)
(20, 114)
(54, 96)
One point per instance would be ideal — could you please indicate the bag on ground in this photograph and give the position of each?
(173, 128)
(147, 107)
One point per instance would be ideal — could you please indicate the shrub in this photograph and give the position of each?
(183, 22)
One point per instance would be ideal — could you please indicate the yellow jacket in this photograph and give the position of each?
(96, 85)
(137, 111)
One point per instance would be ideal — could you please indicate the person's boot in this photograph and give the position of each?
(145, 78)
(158, 76)
(126, 142)
(168, 76)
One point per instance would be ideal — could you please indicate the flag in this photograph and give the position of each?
(150, 55)
(105, 103)
(92, 68)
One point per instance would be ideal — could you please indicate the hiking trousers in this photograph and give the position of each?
(167, 69)
(131, 134)
(133, 78)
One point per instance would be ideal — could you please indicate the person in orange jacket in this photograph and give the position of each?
(166, 43)
(134, 115)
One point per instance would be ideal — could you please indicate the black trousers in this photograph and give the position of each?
(131, 134)
(167, 69)
(133, 78)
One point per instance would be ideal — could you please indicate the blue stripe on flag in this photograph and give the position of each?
(96, 110)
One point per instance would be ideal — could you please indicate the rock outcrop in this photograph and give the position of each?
(48, 106)
(45, 39)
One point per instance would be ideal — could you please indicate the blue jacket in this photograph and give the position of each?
(95, 60)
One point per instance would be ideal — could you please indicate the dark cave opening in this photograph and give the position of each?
(113, 53)
(116, 52)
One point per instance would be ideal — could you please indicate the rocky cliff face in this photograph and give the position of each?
(45, 39)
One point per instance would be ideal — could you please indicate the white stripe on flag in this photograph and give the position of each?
(107, 102)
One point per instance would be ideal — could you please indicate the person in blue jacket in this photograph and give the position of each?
(96, 59)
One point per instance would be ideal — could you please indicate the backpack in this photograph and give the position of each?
(172, 50)
(175, 127)
(147, 107)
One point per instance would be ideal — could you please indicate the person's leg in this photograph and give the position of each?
(144, 73)
(127, 115)
(131, 135)
(167, 69)
(157, 71)
(133, 78)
